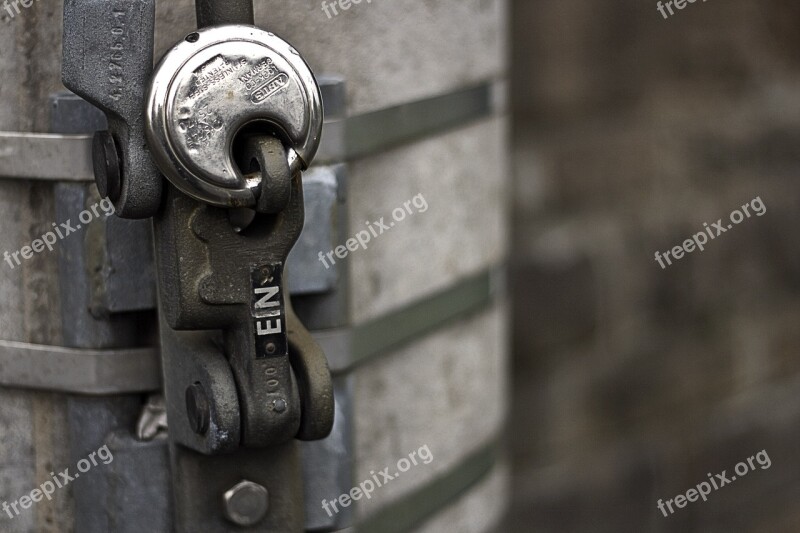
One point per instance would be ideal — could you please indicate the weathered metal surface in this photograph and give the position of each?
(201, 481)
(91, 420)
(87, 270)
(107, 59)
(246, 503)
(306, 273)
(328, 464)
(78, 370)
(205, 279)
(138, 486)
(123, 269)
(216, 275)
(46, 156)
(310, 367)
(212, 86)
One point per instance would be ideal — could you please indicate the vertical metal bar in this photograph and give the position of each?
(329, 309)
(216, 12)
(203, 484)
(101, 500)
(328, 463)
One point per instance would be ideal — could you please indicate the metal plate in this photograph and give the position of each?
(108, 47)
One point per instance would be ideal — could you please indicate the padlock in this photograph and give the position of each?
(210, 90)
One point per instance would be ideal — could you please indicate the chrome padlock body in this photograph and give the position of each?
(213, 84)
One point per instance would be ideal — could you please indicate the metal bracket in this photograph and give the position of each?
(107, 59)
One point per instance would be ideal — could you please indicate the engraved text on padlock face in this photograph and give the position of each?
(207, 88)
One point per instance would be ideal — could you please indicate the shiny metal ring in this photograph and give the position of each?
(212, 85)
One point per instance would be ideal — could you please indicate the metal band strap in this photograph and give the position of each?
(82, 371)
(412, 510)
(408, 324)
(119, 371)
(43, 156)
(59, 157)
(371, 133)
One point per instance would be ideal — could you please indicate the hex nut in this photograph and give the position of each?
(246, 503)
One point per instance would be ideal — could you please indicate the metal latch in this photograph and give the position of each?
(231, 116)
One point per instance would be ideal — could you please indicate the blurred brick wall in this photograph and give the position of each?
(633, 382)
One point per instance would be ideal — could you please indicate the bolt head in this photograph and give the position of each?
(279, 405)
(105, 159)
(197, 408)
(246, 504)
